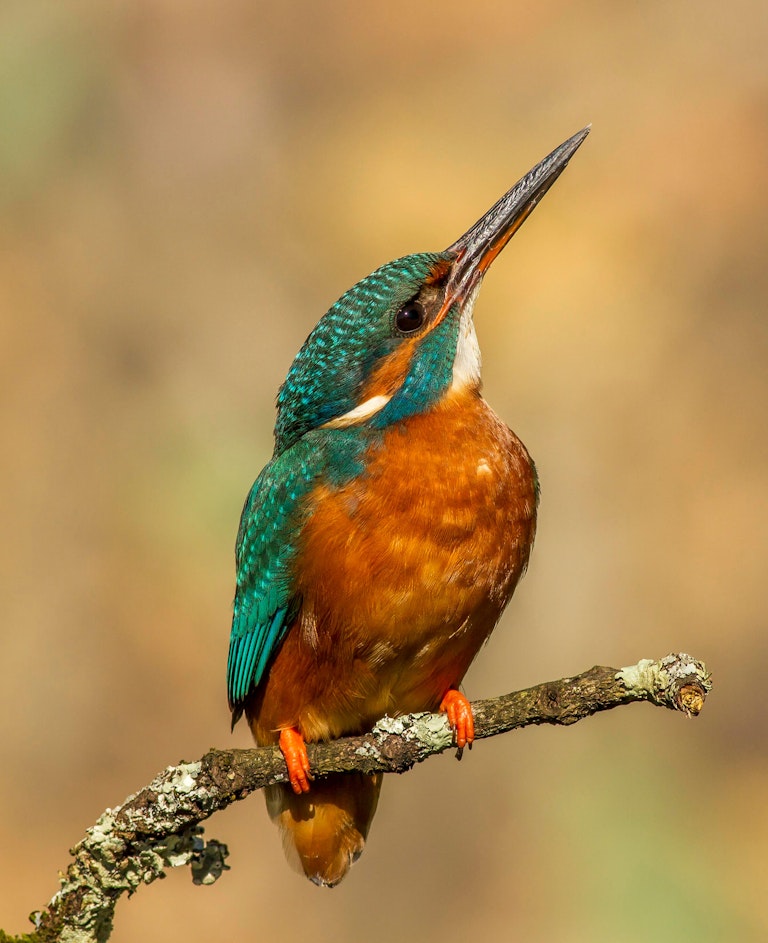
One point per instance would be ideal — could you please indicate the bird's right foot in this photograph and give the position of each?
(294, 751)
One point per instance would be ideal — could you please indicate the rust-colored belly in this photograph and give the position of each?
(403, 573)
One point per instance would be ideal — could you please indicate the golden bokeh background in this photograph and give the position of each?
(185, 188)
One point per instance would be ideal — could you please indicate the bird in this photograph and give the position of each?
(379, 546)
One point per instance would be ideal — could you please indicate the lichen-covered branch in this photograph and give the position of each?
(158, 827)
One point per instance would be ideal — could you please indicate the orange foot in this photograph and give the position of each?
(294, 751)
(459, 712)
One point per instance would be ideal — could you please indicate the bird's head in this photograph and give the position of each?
(403, 336)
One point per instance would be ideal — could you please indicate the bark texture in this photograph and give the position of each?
(158, 827)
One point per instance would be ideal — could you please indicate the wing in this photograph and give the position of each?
(265, 598)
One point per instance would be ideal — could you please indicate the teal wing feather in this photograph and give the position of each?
(265, 599)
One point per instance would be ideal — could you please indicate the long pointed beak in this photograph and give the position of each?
(479, 246)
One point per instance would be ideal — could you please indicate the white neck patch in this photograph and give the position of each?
(466, 365)
(359, 413)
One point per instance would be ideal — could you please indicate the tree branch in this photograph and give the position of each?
(158, 827)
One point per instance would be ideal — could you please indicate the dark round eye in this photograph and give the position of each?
(410, 317)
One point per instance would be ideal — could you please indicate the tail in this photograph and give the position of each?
(324, 830)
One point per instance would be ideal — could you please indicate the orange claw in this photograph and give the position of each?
(294, 751)
(459, 712)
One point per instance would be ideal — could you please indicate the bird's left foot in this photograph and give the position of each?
(459, 712)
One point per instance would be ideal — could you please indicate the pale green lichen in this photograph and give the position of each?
(641, 679)
(108, 864)
(436, 728)
(661, 681)
(433, 730)
(181, 779)
(368, 750)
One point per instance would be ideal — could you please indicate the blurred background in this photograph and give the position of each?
(185, 188)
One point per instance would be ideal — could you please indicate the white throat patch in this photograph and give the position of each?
(466, 365)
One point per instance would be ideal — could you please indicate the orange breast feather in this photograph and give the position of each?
(403, 574)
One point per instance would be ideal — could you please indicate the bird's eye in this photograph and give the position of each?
(410, 317)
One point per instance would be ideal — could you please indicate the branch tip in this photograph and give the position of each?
(678, 681)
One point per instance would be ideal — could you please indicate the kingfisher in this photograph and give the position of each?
(382, 541)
